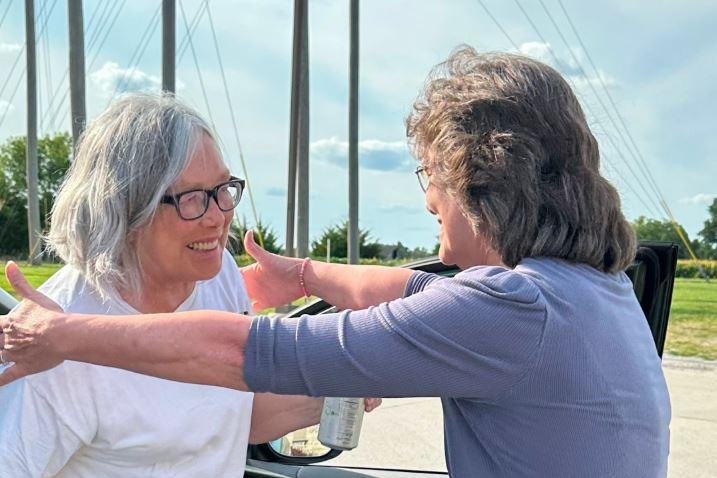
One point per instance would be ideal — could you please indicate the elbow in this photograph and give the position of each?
(256, 439)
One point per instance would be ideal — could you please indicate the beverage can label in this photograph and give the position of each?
(341, 420)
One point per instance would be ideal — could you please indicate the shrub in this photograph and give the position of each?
(691, 269)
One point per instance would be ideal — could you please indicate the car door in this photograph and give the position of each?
(398, 448)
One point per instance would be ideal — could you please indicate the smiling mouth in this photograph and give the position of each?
(204, 246)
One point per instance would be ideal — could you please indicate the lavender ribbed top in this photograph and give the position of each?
(548, 369)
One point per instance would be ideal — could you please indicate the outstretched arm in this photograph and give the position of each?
(274, 280)
(183, 346)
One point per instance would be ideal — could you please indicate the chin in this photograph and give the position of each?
(445, 257)
(208, 271)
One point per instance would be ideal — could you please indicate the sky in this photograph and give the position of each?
(650, 98)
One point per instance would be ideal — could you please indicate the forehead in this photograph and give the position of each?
(205, 168)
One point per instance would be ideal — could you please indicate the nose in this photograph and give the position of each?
(214, 216)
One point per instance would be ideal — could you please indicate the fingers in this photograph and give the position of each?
(19, 283)
(10, 374)
(7, 356)
(23, 288)
(17, 280)
(13, 344)
(250, 246)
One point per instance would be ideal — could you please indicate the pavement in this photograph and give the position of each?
(693, 430)
(406, 433)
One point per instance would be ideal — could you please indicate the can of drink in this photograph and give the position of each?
(340, 424)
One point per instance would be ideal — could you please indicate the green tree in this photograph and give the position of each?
(708, 234)
(53, 158)
(436, 248)
(339, 242)
(648, 229)
(239, 228)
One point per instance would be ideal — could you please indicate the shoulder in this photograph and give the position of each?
(68, 288)
(496, 282)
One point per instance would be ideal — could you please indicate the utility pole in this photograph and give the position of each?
(298, 181)
(33, 205)
(353, 229)
(169, 41)
(78, 114)
(302, 167)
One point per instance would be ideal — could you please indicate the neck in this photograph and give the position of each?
(155, 298)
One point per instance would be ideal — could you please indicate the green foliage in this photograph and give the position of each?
(647, 229)
(708, 234)
(239, 228)
(339, 242)
(53, 157)
(696, 269)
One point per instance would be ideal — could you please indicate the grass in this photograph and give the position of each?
(35, 275)
(692, 329)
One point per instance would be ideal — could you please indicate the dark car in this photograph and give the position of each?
(404, 437)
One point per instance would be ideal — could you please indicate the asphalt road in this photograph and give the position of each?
(407, 433)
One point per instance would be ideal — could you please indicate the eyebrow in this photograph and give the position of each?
(193, 186)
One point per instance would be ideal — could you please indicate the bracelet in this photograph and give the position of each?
(302, 282)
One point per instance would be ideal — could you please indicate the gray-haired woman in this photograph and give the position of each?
(542, 358)
(141, 220)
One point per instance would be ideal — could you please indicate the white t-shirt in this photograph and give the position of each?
(79, 420)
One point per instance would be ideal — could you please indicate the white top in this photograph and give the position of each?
(79, 420)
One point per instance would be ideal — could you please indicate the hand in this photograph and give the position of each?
(273, 279)
(371, 404)
(24, 340)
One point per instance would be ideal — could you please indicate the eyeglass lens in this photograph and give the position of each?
(193, 204)
(422, 178)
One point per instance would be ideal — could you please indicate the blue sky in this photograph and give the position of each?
(656, 60)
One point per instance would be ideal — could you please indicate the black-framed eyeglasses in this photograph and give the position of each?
(194, 204)
(423, 177)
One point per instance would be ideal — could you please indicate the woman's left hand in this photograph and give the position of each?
(23, 342)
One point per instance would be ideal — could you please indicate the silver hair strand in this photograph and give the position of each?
(126, 159)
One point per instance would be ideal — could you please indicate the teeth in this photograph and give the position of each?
(204, 246)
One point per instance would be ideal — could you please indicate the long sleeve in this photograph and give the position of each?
(474, 335)
(418, 281)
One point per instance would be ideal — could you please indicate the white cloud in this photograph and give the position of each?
(111, 78)
(5, 107)
(701, 198)
(10, 47)
(373, 153)
(570, 68)
(538, 50)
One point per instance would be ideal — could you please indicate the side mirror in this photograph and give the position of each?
(302, 443)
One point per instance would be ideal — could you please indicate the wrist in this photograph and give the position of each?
(305, 265)
(59, 337)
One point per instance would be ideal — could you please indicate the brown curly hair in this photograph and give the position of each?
(505, 136)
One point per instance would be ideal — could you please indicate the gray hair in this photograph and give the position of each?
(505, 136)
(126, 159)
